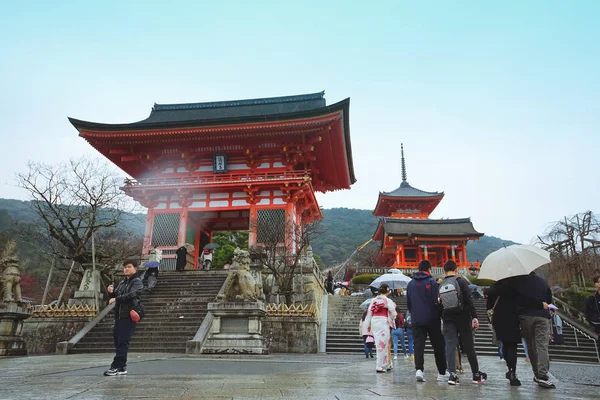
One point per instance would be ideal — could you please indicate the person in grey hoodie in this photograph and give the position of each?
(535, 326)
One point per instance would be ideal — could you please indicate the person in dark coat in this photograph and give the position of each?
(591, 309)
(329, 282)
(126, 296)
(504, 300)
(181, 258)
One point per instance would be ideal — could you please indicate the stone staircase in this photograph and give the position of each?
(174, 311)
(343, 317)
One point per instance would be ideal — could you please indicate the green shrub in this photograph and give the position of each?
(576, 299)
(364, 279)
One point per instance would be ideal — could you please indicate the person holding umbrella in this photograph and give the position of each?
(207, 256)
(518, 262)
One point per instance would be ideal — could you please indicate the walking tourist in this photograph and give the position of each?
(126, 297)
(409, 334)
(556, 333)
(329, 282)
(398, 334)
(378, 322)
(591, 308)
(368, 346)
(422, 302)
(206, 259)
(181, 260)
(535, 325)
(502, 304)
(460, 318)
(151, 274)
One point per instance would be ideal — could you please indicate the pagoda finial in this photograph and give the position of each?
(403, 163)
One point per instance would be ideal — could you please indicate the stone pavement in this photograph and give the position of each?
(168, 376)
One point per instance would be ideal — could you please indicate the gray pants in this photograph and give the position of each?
(451, 331)
(536, 331)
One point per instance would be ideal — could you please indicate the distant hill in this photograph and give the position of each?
(346, 229)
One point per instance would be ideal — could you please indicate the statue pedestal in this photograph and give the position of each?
(89, 287)
(11, 329)
(236, 328)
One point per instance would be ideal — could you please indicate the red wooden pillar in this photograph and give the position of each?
(398, 257)
(402, 255)
(453, 253)
(148, 232)
(183, 221)
(465, 253)
(425, 253)
(252, 225)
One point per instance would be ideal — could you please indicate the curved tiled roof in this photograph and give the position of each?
(405, 190)
(430, 227)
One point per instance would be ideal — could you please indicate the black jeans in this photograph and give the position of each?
(122, 333)
(462, 327)
(434, 330)
(509, 352)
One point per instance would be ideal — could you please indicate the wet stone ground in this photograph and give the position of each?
(293, 376)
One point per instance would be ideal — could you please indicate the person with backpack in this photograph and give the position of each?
(126, 297)
(422, 303)
(460, 317)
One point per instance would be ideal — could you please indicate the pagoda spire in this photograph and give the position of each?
(404, 182)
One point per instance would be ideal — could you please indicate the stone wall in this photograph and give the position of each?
(42, 334)
(291, 334)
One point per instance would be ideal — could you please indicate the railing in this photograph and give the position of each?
(63, 311)
(593, 339)
(283, 310)
(218, 178)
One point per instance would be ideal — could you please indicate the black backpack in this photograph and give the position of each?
(450, 295)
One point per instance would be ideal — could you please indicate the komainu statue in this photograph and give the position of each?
(10, 276)
(242, 285)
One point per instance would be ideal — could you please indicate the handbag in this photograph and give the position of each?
(137, 312)
(370, 341)
(490, 313)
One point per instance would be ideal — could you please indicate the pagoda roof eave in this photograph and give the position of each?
(378, 212)
(143, 125)
(442, 228)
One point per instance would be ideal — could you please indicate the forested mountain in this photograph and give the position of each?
(344, 230)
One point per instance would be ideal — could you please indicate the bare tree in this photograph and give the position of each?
(572, 243)
(281, 251)
(74, 201)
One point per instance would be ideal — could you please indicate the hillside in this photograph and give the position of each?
(345, 230)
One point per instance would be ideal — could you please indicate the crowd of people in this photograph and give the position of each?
(519, 311)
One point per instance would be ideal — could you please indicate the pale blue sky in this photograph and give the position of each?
(498, 105)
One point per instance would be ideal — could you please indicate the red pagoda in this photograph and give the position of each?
(407, 235)
(228, 165)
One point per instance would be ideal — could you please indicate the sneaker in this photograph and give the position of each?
(512, 377)
(546, 383)
(527, 360)
(444, 377)
(412, 357)
(371, 354)
(453, 380)
(419, 376)
(122, 371)
(111, 372)
(395, 357)
(366, 356)
(406, 356)
(479, 377)
(535, 379)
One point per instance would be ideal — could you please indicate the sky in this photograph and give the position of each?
(497, 103)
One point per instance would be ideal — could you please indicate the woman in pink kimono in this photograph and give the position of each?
(378, 322)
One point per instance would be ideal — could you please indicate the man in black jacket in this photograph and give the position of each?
(535, 326)
(591, 308)
(126, 296)
(460, 320)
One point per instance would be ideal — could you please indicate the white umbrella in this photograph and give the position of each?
(365, 304)
(394, 281)
(394, 271)
(513, 261)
